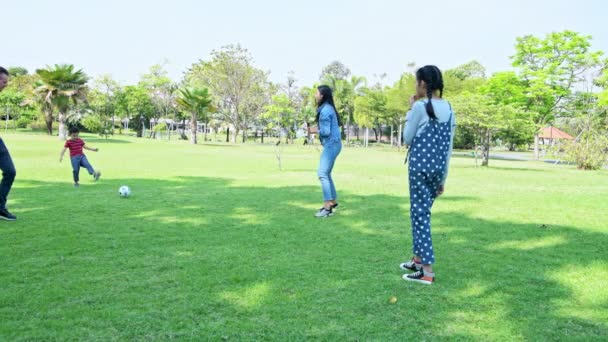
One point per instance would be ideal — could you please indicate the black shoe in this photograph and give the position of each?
(333, 207)
(5, 215)
(411, 265)
(420, 277)
(322, 213)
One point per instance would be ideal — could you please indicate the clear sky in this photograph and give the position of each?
(125, 37)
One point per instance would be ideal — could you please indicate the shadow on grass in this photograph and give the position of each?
(199, 257)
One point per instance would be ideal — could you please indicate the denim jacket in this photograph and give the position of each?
(329, 130)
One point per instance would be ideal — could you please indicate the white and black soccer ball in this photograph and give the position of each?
(124, 191)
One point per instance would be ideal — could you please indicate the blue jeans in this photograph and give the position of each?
(328, 159)
(80, 161)
(8, 174)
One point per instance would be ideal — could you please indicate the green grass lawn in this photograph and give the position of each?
(216, 243)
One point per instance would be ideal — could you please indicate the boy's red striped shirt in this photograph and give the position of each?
(75, 147)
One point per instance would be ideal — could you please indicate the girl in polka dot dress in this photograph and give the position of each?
(429, 133)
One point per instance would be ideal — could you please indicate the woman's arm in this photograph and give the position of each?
(325, 121)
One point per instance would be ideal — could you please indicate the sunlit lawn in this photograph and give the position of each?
(217, 243)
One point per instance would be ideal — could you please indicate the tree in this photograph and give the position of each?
(61, 86)
(162, 92)
(363, 115)
(308, 109)
(470, 70)
(335, 69)
(397, 101)
(136, 103)
(550, 68)
(602, 81)
(239, 89)
(17, 71)
(468, 77)
(197, 102)
(296, 100)
(478, 113)
(13, 103)
(370, 110)
(109, 89)
(506, 88)
(280, 113)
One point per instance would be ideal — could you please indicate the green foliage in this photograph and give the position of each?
(279, 112)
(550, 68)
(470, 70)
(17, 71)
(589, 151)
(197, 102)
(370, 109)
(12, 102)
(239, 89)
(398, 96)
(23, 121)
(507, 89)
(92, 123)
(59, 87)
(334, 70)
(134, 102)
(161, 127)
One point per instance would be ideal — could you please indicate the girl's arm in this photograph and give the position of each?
(412, 120)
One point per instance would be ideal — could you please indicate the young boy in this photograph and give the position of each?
(76, 145)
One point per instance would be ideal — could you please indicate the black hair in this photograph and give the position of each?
(431, 75)
(328, 97)
(73, 130)
(4, 71)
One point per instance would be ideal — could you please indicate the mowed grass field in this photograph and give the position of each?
(216, 243)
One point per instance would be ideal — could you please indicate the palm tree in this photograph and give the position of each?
(197, 102)
(60, 87)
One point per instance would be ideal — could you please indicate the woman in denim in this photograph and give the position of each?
(429, 133)
(329, 133)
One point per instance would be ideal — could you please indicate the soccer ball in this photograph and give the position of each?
(124, 191)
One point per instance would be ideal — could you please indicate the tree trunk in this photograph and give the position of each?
(235, 135)
(486, 148)
(244, 135)
(399, 135)
(366, 137)
(262, 137)
(205, 134)
(536, 147)
(62, 132)
(227, 134)
(392, 134)
(347, 130)
(193, 129)
(48, 119)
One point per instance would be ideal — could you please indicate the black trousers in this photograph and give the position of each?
(8, 174)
